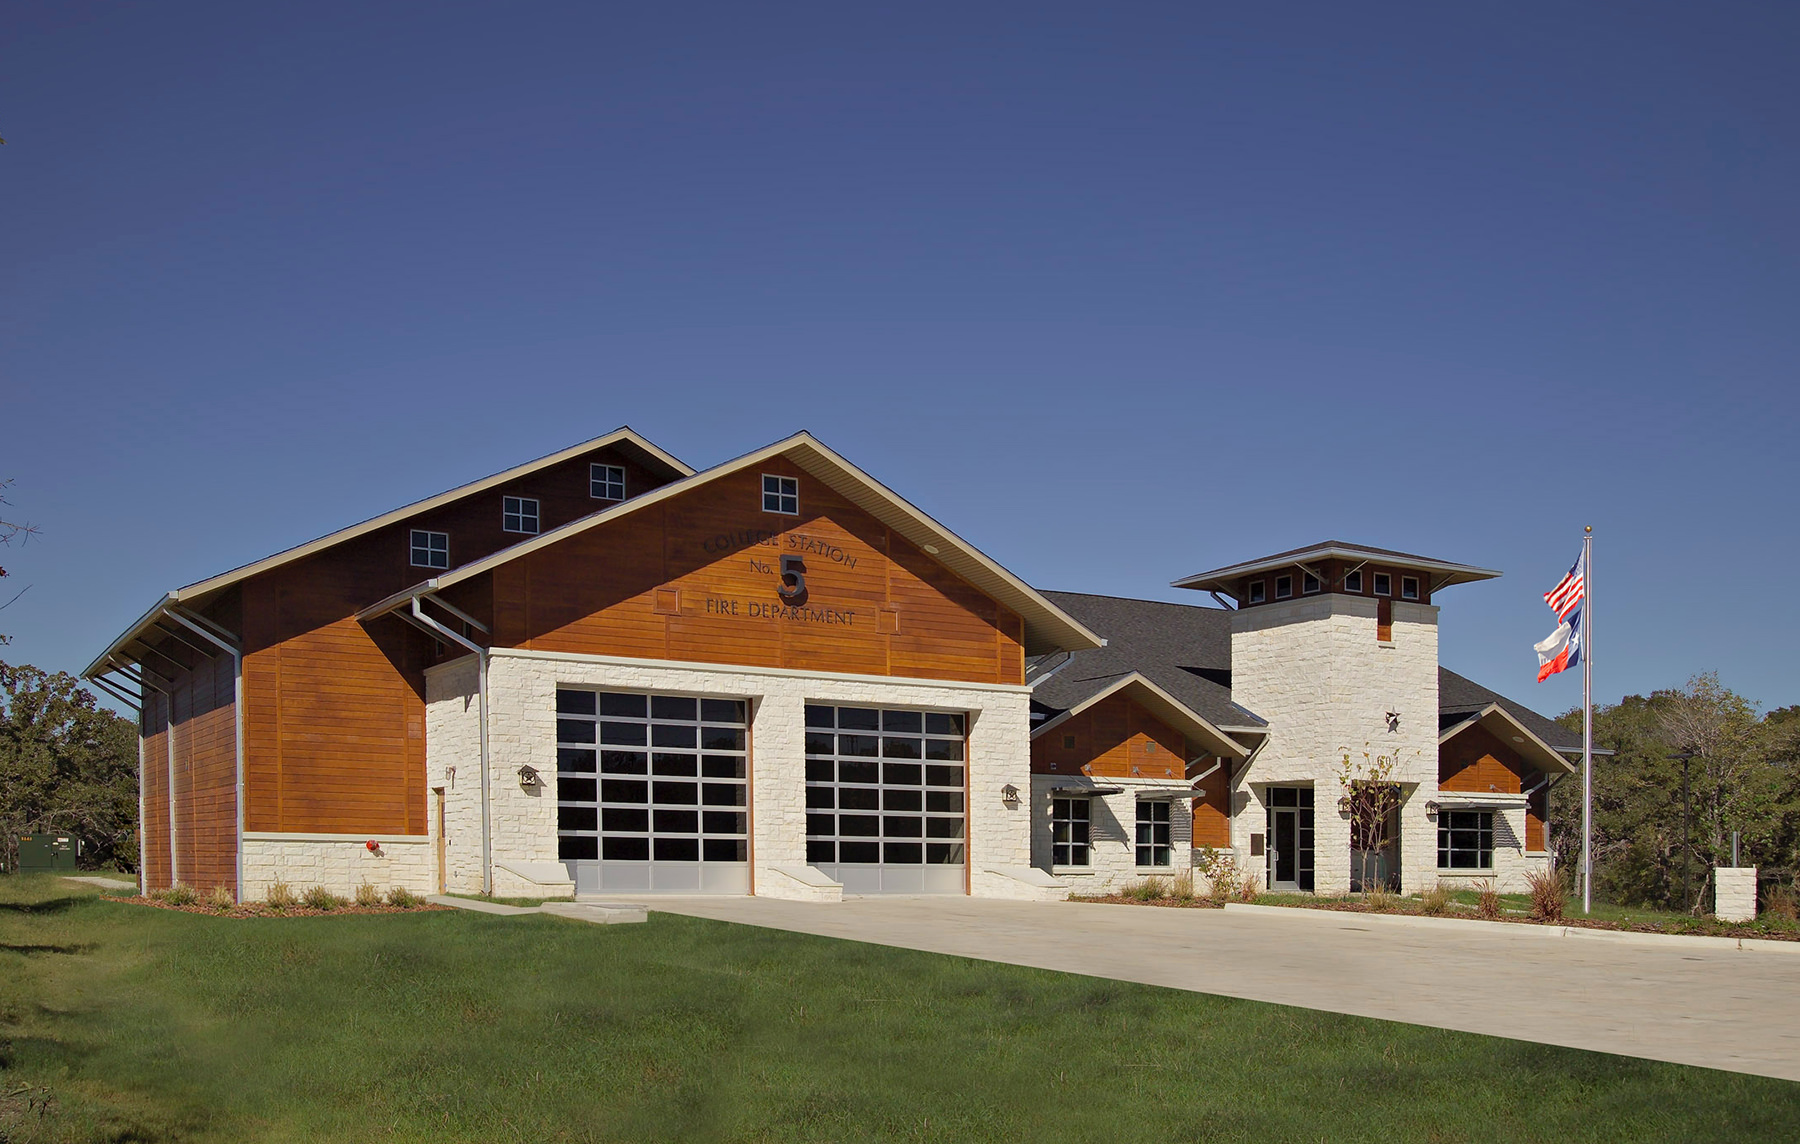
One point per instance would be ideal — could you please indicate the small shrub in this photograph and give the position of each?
(319, 898)
(178, 895)
(221, 899)
(1181, 886)
(1149, 890)
(1379, 899)
(280, 896)
(1487, 899)
(367, 895)
(1246, 887)
(402, 898)
(1435, 901)
(1547, 895)
(1781, 904)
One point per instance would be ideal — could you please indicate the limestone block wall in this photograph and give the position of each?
(1315, 670)
(1734, 893)
(522, 732)
(338, 862)
(1112, 853)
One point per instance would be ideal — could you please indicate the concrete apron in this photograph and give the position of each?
(1686, 1002)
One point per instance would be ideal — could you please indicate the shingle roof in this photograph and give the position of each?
(1182, 648)
(1460, 697)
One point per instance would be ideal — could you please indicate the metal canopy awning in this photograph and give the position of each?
(1085, 790)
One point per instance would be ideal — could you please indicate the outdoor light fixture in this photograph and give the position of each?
(1431, 810)
(1009, 794)
(528, 778)
(930, 549)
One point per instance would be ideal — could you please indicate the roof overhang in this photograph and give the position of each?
(1501, 724)
(1443, 572)
(1047, 627)
(1161, 704)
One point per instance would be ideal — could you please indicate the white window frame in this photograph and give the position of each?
(1257, 592)
(1353, 574)
(603, 479)
(1281, 595)
(429, 549)
(1445, 825)
(1387, 591)
(1407, 582)
(781, 492)
(513, 515)
(1167, 825)
(1065, 849)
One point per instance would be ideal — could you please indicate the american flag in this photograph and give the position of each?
(1567, 595)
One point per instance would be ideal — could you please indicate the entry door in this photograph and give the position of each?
(652, 792)
(886, 799)
(1290, 850)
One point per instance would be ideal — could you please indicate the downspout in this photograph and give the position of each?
(481, 702)
(237, 702)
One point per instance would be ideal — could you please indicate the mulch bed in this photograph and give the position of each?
(259, 910)
(1700, 928)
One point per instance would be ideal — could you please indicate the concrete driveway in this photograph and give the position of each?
(1690, 1002)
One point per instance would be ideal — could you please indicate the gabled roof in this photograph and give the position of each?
(1160, 704)
(1503, 725)
(1182, 648)
(624, 438)
(1460, 699)
(1047, 627)
(1443, 572)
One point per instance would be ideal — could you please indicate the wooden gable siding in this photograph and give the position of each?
(695, 579)
(1212, 811)
(154, 783)
(1476, 761)
(1115, 738)
(334, 709)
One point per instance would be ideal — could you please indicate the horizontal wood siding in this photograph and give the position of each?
(696, 579)
(334, 709)
(1115, 738)
(1537, 810)
(154, 781)
(1477, 762)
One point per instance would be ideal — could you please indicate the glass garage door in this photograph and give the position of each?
(885, 799)
(651, 792)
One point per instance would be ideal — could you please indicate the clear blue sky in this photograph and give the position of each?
(1118, 292)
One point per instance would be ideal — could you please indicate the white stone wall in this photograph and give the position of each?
(1314, 669)
(1112, 829)
(522, 732)
(340, 863)
(1734, 893)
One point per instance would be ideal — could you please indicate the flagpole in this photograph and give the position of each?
(1587, 725)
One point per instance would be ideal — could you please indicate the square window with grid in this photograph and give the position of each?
(430, 549)
(606, 482)
(651, 777)
(1465, 840)
(519, 514)
(781, 494)
(1070, 822)
(1153, 845)
(884, 787)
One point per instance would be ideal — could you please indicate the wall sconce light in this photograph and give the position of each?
(1009, 794)
(528, 778)
(1431, 810)
(1344, 805)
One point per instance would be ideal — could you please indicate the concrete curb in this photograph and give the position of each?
(1528, 929)
(579, 911)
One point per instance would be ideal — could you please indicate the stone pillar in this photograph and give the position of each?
(1734, 893)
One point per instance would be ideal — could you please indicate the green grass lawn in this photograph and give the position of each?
(142, 1024)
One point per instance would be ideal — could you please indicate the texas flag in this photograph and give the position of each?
(1562, 650)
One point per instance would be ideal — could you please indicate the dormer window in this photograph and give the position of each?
(1353, 581)
(1409, 587)
(1309, 584)
(430, 549)
(1284, 587)
(781, 494)
(606, 482)
(519, 514)
(1384, 584)
(1258, 593)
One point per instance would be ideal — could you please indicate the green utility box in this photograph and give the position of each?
(47, 853)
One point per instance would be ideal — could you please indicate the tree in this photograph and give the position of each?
(66, 765)
(1370, 799)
